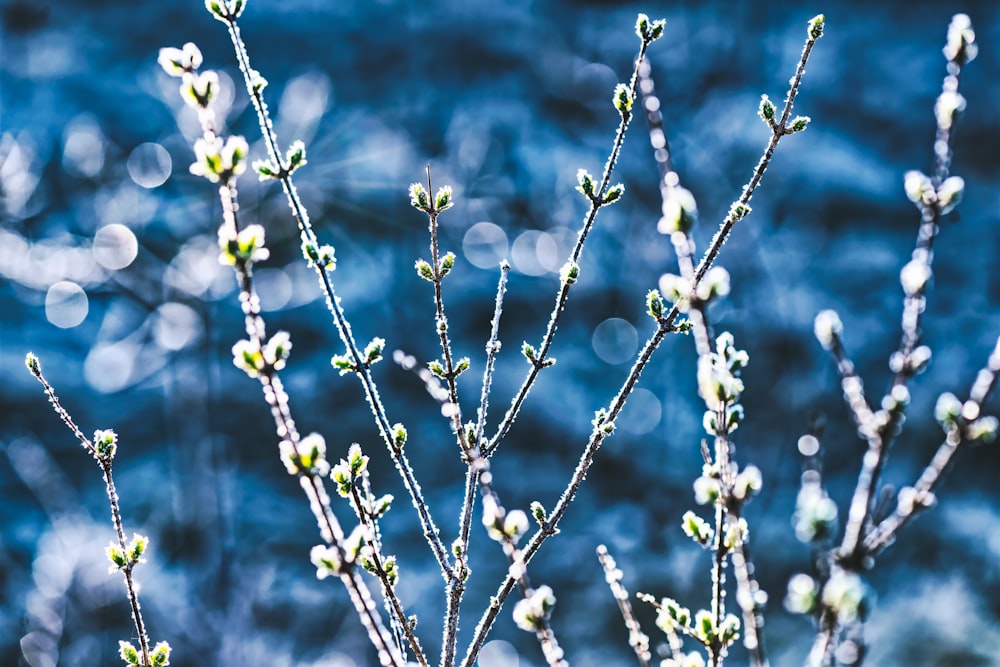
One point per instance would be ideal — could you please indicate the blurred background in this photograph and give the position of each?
(108, 272)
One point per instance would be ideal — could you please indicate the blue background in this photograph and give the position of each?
(505, 101)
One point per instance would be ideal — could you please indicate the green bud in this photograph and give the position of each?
(160, 656)
(948, 409)
(31, 361)
(622, 99)
(248, 358)
(654, 304)
(528, 350)
(116, 556)
(341, 476)
(797, 124)
(128, 653)
(137, 547)
(265, 169)
(437, 369)
(538, 511)
(816, 26)
(424, 270)
(462, 366)
(106, 444)
(391, 570)
(766, 110)
(647, 30)
(738, 211)
(697, 528)
(585, 183)
(343, 363)
(614, 193)
(569, 273)
(178, 62)
(418, 197)
(373, 351)
(446, 264)
(296, 155)
(443, 199)
(398, 435)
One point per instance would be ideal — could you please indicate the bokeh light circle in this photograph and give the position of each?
(66, 304)
(484, 245)
(149, 165)
(115, 246)
(615, 340)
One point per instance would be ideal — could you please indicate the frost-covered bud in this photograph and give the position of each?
(343, 363)
(949, 194)
(797, 124)
(706, 488)
(116, 556)
(585, 183)
(679, 211)
(670, 615)
(706, 631)
(738, 211)
(277, 349)
(961, 46)
(697, 528)
(178, 62)
(802, 594)
(443, 198)
(736, 534)
(199, 89)
(341, 476)
(128, 653)
(715, 283)
(248, 357)
(767, 110)
(218, 161)
(515, 524)
(569, 273)
(295, 157)
(373, 351)
(847, 595)
(919, 188)
(398, 436)
(538, 511)
(531, 613)
(827, 327)
(437, 368)
(815, 516)
(424, 270)
(225, 10)
(915, 276)
(380, 506)
(136, 548)
(949, 104)
(528, 350)
(265, 169)
(105, 444)
(622, 99)
(245, 246)
(948, 409)
(982, 430)
(257, 82)
(614, 193)
(648, 30)
(654, 304)
(391, 569)
(160, 655)
(307, 456)
(913, 364)
(816, 26)
(675, 289)
(446, 264)
(419, 198)
(327, 561)
(356, 460)
(462, 365)
(748, 483)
